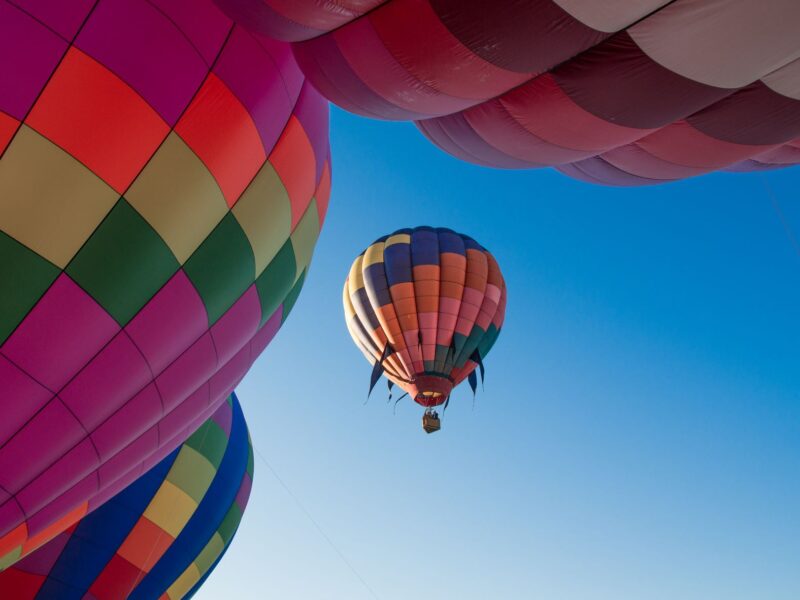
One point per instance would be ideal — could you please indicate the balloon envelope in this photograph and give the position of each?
(621, 93)
(429, 303)
(158, 538)
(163, 180)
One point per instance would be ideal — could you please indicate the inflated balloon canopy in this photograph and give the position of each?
(163, 181)
(158, 538)
(612, 92)
(424, 306)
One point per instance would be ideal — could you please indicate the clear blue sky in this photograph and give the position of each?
(639, 434)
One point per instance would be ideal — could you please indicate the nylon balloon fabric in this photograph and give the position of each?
(613, 92)
(158, 538)
(428, 302)
(163, 180)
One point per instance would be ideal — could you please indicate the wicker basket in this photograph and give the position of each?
(431, 422)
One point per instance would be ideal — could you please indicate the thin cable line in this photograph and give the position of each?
(316, 525)
(781, 217)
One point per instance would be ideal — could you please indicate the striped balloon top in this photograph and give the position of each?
(158, 538)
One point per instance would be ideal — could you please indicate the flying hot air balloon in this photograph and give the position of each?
(618, 93)
(425, 306)
(163, 180)
(158, 538)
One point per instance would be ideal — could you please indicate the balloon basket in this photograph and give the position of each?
(431, 422)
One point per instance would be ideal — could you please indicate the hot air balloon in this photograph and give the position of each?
(163, 180)
(158, 538)
(619, 93)
(425, 306)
